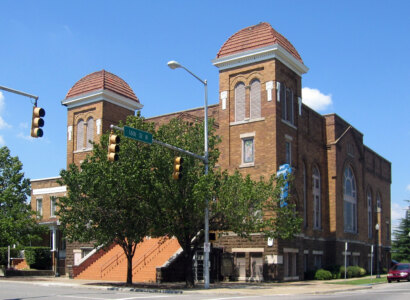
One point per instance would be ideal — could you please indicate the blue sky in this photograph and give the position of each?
(357, 53)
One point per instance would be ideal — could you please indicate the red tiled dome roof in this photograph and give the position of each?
(253, 37)
(101, 80)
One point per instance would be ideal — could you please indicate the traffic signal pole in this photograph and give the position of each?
(19, 93)
(38, 113)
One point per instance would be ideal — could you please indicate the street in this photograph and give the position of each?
(36, 290)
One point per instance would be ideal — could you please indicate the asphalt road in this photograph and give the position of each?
(24, 290)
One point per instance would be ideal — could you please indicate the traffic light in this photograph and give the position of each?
(113, 147)
(37, 122)
(177, 168)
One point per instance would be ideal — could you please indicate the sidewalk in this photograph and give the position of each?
(221, 288)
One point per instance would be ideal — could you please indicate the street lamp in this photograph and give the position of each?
(377, 227)
(174, 65)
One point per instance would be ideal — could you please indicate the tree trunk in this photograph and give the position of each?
(129, 268)
(189, 275)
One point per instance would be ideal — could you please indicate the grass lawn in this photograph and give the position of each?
(359, 281)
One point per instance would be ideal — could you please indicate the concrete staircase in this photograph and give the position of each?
(111, 265)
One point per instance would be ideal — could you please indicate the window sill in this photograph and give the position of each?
(83, 150)
(289, 124)
(247, 165)
(350, 231)
(246, 121)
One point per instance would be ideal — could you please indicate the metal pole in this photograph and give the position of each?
(206, 244)
(345, 259)
(377, 252)
(174, 65)
(371, 264)
(4, 88)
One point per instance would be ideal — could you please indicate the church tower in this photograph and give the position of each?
(94, 103)
(260, 100)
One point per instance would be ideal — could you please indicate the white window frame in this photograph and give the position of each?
(288, 152)
(317, 198)
(255, 100)
(287, 99)
(80, 135)
(53, 206)
(89, 133)
(351, 200)
(237, 111)
(39, 206)
(246, 137)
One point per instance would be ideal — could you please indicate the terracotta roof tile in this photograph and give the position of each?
(101, 80)
(253, 37)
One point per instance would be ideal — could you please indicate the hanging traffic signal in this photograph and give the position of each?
(37, 122)
(177, 168)
(113, 147)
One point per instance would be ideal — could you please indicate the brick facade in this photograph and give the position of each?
(311, 141)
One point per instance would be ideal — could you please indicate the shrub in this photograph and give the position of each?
(323, 275)
(310, 275)
(38, 257)
(362, 272)
(355, 270)
(14, 252)
(352, 271)
(335, 270)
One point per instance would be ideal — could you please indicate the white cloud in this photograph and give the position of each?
(23, 125)
(25, 137)
(3, 124)
(2, 142)
(408, 188)
(315, 99)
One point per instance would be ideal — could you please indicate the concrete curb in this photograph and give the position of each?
(312, 289)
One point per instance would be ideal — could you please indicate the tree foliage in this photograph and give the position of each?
(137, 196)
(17, 225)
(401, 241)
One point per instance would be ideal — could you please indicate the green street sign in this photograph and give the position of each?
(138, 135)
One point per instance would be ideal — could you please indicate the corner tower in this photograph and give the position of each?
(93, 103)
(260, 97)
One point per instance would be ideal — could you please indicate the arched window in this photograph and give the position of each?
(286, 97)
(369, 215)
(304, 195)
(240, 102)
(80, 134)
(90, 132)
(255, 100)
(317, 207)
(349, 200)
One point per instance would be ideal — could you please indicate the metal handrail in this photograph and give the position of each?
(114, 259)
(110, 262)
(148, 254)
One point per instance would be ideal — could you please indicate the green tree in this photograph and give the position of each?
(17, 225)
(401, 241)
(105, 202)
(137, 196)
(237, 203)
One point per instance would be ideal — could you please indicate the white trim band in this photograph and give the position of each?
(53, 190)
(261, 54)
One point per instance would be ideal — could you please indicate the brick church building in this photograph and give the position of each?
(342, 186)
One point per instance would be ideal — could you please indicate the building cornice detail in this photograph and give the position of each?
(261, 54)
(52, 190)
(102, 95)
